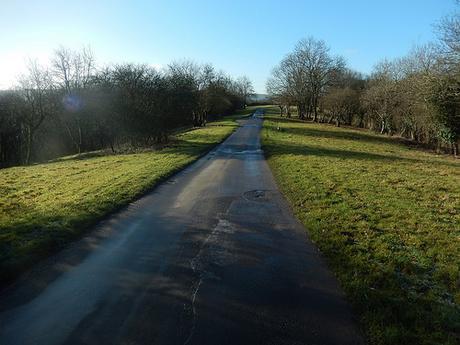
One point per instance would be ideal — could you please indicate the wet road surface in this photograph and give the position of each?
(212, 256)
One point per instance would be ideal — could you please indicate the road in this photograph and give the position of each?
(212, 256)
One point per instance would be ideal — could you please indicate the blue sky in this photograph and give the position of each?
(240, 37)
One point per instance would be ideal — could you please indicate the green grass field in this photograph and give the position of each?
(386, 217)
(44, 206)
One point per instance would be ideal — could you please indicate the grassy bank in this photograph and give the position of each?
(386, 217)
(44, 206)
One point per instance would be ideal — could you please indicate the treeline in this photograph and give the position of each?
(416, 96)
(72, 106)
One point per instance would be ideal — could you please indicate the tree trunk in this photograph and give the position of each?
(28, 145)
(438, 146)
(69, 132)
(315, 110)
(300, 110)
(455, 149)
(309, 109)
(80, 138)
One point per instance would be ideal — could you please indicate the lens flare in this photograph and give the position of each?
(72, 103)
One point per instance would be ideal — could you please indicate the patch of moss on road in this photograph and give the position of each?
(386, 217)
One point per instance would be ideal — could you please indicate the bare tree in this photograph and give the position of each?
(449, 36)
(280, 90)
(36, 91)
(73, 72)
(245, 88)
(11, 128)
(304, 75)
(446, 88)
(341, 104)
(319, 68)
(381, 99)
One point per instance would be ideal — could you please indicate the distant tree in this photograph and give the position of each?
(446, 88)
(140, 102)
(245, 88)
(280, 90)
(38, 102)
(341, 101)
(449, 36)
(341, 104)
(415, 117)
(11, 109)
(446, 99)
(73, 71)
(304, 75)
(382, 97)
(319, 67)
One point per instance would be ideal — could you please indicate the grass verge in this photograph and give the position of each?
(386, 217)
(44, 206)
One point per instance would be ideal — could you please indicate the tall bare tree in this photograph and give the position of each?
(73, 72)
(245, 88)
(320, 69)
(304, 75)
(36, 91)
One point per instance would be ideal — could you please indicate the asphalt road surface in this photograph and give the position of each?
(212, 256)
